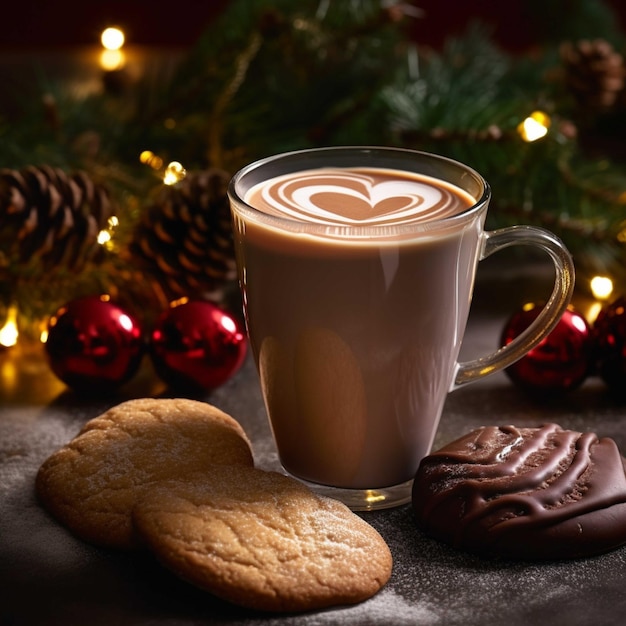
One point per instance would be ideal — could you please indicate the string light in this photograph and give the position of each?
(105, 236)
(9, 332)
(179, 302)
(112, 38)
(174, 173)
(147, 157)
(601, 287)
(535, 126)
(112, 57)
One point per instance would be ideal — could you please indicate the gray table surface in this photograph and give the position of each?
(49, 577)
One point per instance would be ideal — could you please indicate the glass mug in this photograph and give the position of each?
(357, 267)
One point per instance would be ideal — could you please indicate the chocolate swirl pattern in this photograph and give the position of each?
(359, 197)
(525, 493)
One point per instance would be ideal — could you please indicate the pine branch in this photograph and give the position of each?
(216, 124)
(274, 75)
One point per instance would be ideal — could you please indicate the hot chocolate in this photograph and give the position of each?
(355, 339)
(358, 197)
(357, 265)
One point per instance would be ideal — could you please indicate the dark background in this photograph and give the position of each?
(516, 24)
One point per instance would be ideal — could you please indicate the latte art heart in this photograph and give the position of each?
(358, 197)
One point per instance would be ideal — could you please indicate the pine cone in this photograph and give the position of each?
(594, 73)
(51, 216)
(184, 240)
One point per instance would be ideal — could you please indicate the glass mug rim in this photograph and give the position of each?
(304, 159)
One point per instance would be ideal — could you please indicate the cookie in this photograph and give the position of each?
(539, 493)
(91, 484)
(263, 540)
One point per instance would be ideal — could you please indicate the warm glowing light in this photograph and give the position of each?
(601, 287)
(594, 310)
(104, 236)
(112, 38)
(182, 300)
(9, 374)
(374, 496)
(147, 157)
(43, 337)
(9, 332)
(535, 126)
(111, 60)
(174, 173)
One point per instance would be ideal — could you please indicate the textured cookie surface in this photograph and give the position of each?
(263, 540)
(91, 484)
(526, 493)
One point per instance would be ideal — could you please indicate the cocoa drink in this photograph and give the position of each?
(357, 283)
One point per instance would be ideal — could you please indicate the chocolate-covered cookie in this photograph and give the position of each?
(525, 493)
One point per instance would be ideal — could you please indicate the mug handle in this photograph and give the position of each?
(470, 371)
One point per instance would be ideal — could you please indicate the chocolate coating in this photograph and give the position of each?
(525, 493)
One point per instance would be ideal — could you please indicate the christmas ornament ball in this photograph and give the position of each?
(197, 345)
(561, 362)
(609, 331)
(93, 344)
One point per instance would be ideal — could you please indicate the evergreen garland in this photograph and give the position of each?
(274, 75)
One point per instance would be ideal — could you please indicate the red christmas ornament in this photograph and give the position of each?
(561, 362)
(197, 345)
(609, 332)
(93, 344)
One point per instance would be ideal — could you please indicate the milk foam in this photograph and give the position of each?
(358, 196)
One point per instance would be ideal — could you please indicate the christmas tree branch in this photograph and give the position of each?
(216, 124)
(274, 75)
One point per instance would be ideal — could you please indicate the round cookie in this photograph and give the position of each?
(540, 493)
(91, 484)
(263, 540)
